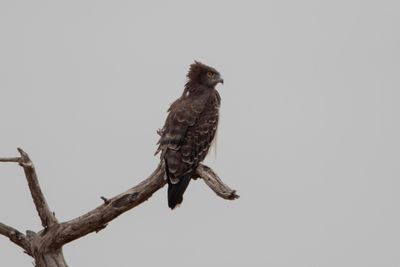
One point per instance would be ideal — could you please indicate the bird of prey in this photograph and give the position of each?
(189, 129)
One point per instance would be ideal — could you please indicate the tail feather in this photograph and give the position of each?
(175, 191)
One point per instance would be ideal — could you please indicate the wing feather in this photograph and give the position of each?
(183, 113)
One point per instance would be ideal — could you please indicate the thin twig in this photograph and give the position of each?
(15, 159)
(46, 216)
(106, 200)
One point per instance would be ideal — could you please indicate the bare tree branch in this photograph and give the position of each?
(10, 159)
(46, 216)
(46, 245)
(97, 219)
(215, 183)
(16, 237)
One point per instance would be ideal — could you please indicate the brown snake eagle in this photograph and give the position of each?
(189, 129)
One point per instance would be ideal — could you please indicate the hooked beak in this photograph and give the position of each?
(220, 80)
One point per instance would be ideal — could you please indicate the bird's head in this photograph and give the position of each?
(203, 74)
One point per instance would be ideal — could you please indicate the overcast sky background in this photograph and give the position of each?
(309, 132)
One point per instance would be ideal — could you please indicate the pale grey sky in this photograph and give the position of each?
(309, 132)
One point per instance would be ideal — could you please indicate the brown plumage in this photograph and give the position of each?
(189, 129)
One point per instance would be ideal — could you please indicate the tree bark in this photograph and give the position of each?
(46, 245)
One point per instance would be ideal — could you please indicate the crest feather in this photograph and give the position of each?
(198, 68)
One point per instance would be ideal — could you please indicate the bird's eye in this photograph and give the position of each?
(210, 74)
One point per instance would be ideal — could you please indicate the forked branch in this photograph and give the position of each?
(46, 245)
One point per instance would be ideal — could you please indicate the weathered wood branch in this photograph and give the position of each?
(215, 183)
(10, 159)
(46, 245)
(98, 218)
(46, 216)
(16, 237)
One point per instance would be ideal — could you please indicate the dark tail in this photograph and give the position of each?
(175, 191)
